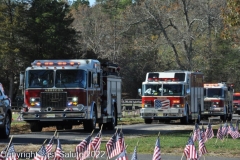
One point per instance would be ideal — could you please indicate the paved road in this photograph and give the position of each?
(76, 135)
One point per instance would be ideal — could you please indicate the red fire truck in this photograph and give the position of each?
(218, 101)
(172, 95)
(236, 103)
(64, 93)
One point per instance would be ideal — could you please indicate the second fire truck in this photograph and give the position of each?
(172, 95)
(218, 101)
(236, 102)
(64, 93)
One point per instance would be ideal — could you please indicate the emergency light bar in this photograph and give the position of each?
(162, 79)
(55, 64)
(213, 85)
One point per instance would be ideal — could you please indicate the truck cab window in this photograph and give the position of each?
(70, 78)
(40, 78)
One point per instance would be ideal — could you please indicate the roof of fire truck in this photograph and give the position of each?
(215, 85)
(66, 64)
(169, 76)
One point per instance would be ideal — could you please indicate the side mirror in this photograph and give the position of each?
(188, 91)
(94, 80)
(21, 80)
(139, 92)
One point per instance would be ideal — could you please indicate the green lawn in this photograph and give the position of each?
(171, 143)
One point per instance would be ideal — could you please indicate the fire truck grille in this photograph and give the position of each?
(55, 100)
(207, 105)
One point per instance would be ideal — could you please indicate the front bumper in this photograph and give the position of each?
(171, 113)
(53, 116)
(236, 109)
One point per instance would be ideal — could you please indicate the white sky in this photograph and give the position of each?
(91, 2)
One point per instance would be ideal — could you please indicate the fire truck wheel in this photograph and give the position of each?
(35, 127)
(230, 117)
(69, 126)
(185, 120)
(111, 125)
(223, 118)
(90, 125)
(199, 114)
(59, 127)
(148, 121)
(5, 131)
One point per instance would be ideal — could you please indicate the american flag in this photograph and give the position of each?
(201, 146)
(209, 132)
(225, 129)
(59, 155)
(11, 154)
(122, 155)
(165, 103)
(202, 135)
(234, 133)
(3, 154)
(96, 143)
(111, 147)
(120, 145)
(196, 132)
(83, 149)
(134, 156)
(50, 145)
(219, 133)
(190, 150)
(41, 154)
(157, 151)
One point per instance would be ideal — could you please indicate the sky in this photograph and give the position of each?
(91, 2)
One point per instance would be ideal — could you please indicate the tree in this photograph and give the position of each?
(48, 32)
(9, 47)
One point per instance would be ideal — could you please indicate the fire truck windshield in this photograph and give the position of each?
(62, 78)
(163, 90)
(236, 97)
(213, 92)
(71, 78)
(40, 78)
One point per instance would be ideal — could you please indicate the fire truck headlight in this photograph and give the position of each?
(34, 101)
(73, 101)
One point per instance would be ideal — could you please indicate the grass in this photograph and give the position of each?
(171, 143)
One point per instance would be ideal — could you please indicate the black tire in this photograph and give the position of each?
(148, 121)
(199, 115)
(167, 121)
(229, 113)
(223, 117)
(185, 120)
(35, 127)
(59, 127)
(90, 125)
(5, 131)
(111, 125)
(229, 117)
(68, 127)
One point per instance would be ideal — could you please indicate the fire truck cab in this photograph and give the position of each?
(64, 93)
(218, 101)
(236, 103)
(172, 95)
